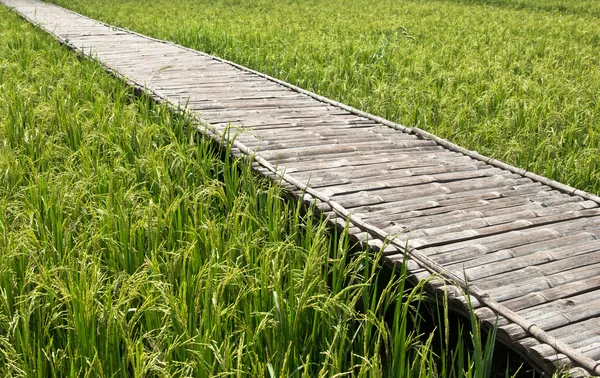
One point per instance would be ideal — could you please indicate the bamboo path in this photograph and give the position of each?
(528, 247)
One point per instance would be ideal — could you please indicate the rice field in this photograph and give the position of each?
(517, 80)
(132, 247)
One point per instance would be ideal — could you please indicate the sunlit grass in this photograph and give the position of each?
(517, 80)
(130, 248)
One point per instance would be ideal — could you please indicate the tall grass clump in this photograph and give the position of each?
(517, 80)
(129, 248)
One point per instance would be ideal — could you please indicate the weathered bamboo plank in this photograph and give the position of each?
(340, 121)
(487, 257)
(401, 160)
(492, 243)
(384, 166)
(402, 179)
(555, 314)
(579, 333)
(491, 225)
(500, 257)
(264, 146)
(444, 200)
(363, 175)
(546, 288)
(491, 214)
(392, 212)
(427, 192)
(558, 223)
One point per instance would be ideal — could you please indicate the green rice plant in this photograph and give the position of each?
(582, 7)
(482, 354)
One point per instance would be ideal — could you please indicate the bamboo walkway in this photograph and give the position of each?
(529, 247)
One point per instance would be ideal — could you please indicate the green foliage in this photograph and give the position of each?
(517, 80)
(128, 248)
